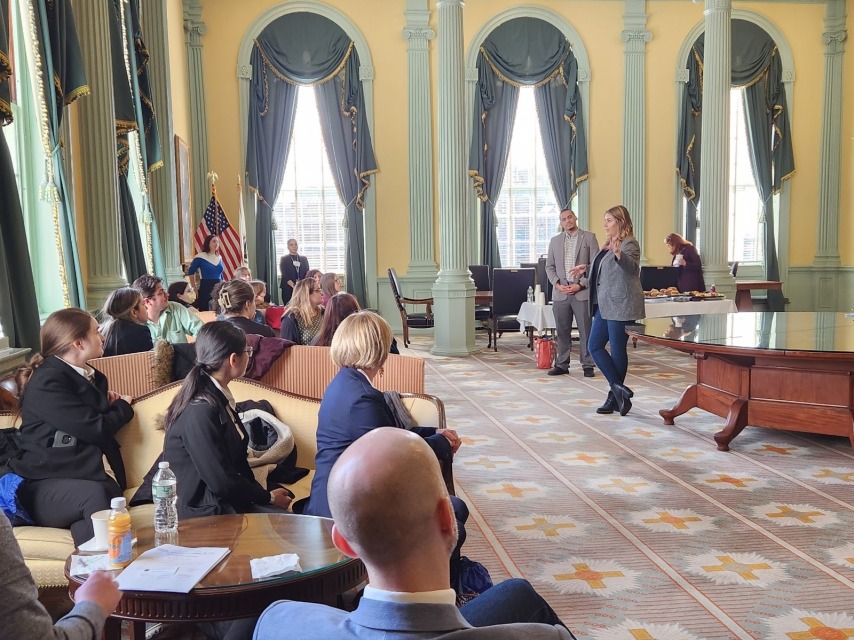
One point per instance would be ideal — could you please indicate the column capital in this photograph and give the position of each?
(834, 41)
(194, 26)
(635, 39)
(718, 5)
(418, 32)
(449, 4)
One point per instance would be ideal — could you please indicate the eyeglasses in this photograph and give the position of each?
(250, 351)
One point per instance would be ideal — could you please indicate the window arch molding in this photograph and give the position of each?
(584, 76)
(786, 57)
(366, 75)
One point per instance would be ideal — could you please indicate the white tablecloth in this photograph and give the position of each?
(542, 317)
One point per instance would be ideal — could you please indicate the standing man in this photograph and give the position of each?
(170, 321)
(573, 246)
(293, 268)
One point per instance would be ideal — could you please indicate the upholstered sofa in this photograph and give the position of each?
(141, 440)
(304, 371)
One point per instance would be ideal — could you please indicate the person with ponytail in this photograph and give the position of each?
(125, 330)
(68, 422)
(206, 444)
(237, 303)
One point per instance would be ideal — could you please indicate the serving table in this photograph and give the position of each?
(229, 592)
(789, 371)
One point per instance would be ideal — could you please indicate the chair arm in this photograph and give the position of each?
(446, 466)
(427, 301)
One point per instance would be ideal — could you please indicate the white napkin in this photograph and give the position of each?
(274, 565)
(84, 565)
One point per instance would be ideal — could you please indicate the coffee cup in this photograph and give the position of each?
(678, 259)
(99, 524)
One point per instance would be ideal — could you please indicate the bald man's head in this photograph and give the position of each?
(385, 492)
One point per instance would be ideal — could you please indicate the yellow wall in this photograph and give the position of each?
(599, 25)
(178, 72)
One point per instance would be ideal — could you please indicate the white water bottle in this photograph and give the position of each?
(164, 489)
(530, 294)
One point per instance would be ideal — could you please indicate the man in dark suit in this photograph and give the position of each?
(392, 510)
(293, 268)
(573, 246)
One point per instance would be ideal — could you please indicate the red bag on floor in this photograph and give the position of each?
(545, 350)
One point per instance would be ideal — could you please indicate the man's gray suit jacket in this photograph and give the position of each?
(586, 248)
(375, 620)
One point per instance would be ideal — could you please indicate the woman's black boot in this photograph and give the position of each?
(610, 404)
(622, 394)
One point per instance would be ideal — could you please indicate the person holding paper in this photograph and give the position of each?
(206, 444)
(573, 246)
(25, 618)
(392, 511)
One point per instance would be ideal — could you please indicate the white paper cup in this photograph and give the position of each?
(679, 258)
(99, 524)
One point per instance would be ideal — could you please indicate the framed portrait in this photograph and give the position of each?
(185, 200)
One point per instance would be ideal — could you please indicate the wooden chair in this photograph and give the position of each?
(510, 290)
(414, 320)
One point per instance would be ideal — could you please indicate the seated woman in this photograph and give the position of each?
(126, 330)
(206, 444)
(340, 306)
(260, 288)
(182, 292)
(352, 406)
(68, 422)
(237, 302)
(685, 257)
(301, 323)
(330, 284)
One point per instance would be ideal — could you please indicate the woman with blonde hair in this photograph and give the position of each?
(125, 330)
(302, 322)
(69, 419)
(616, 300)
(237, 302)
(686, 257)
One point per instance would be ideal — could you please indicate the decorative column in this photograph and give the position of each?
(98, 154)
(422, 264)
(194, 29)
(635, 35)
(162, 181)
(714, 155)
(453, 291)
(827, 251)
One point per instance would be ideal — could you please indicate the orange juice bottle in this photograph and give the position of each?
(119, 534)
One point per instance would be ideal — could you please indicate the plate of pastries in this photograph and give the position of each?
(656, 294)
(705, 295)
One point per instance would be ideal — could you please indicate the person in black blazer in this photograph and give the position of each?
(126, 330)
(293, 268)
(206, 444)
(237, 302)
(68, 422)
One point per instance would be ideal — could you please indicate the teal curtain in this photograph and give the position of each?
(532, 52)
(64, 80)
(19, 312)
(308, 49)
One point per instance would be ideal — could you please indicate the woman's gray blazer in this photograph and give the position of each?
(615, 286)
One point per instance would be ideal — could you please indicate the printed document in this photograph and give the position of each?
(170, 568)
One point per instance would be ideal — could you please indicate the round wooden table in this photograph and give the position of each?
(229, 592)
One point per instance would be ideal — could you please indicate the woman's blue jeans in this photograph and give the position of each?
(613, 365)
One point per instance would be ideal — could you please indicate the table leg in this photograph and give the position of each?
(113, 629)
(687, 401)
(743, 300)
(736, 421)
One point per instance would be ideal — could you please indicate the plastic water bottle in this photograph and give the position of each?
(164, 489)
(530, 294)
(119, 534)
(713, 289)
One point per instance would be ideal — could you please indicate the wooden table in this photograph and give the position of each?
(229, 592)
(743, 299)
(789, 371)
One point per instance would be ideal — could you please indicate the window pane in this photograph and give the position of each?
(308, 207)
(745, 238)
(526, 210)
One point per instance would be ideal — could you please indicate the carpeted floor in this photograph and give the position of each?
(633, 529)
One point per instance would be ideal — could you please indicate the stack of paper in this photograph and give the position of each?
(170, 568)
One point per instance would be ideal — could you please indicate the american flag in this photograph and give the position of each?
(215, 223)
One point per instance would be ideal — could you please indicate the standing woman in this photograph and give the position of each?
(237, 303)
(685, 257)
(209, 263)
(304, 318)
(206, 444)
(68, 422)
(126, 330)
(616, 300)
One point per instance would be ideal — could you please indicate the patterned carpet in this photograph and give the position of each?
(635, 530)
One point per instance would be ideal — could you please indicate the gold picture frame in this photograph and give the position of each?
(185, 200)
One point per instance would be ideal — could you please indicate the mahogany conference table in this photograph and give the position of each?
(790, 371)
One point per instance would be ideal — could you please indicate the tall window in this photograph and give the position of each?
(308, 207)
(745, 237)
(527, 212)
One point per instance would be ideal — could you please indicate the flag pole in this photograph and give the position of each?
(212, 178)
